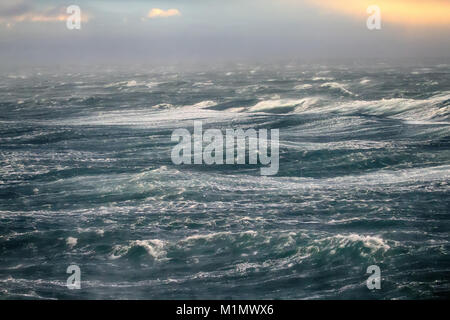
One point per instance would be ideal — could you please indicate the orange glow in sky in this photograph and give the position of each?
(406, 12)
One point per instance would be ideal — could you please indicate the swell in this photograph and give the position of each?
(435, 108)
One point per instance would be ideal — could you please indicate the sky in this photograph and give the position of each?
(145, 31)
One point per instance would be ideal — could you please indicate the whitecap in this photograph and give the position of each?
(322, 79)
(71, 242)
(153, 247)
(338, 86)
(203, 104)
(273, 105)
(303, 86)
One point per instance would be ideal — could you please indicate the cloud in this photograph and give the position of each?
(17, 11)
(405, 12)
(159, 13)
(11, 8)
(37, 17)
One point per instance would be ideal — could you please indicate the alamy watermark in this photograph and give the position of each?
(374, 281)
(73, 21)
(74, 280)
(191, 150)
(374, 20)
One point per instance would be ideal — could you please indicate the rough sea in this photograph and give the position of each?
(86, 179)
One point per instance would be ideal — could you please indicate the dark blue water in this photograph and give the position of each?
(86, 178)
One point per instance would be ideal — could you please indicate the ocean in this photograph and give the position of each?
(86, 179)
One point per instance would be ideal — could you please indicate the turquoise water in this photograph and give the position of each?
(86, 178)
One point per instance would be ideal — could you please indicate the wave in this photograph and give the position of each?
(284, 105)
(215, 235)
(337, 86)
(154, 248)
(131, 84)
(303, 86)
(435, 108)
(339, 241)
(203, 104)
(71, 242)
(322, 79)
